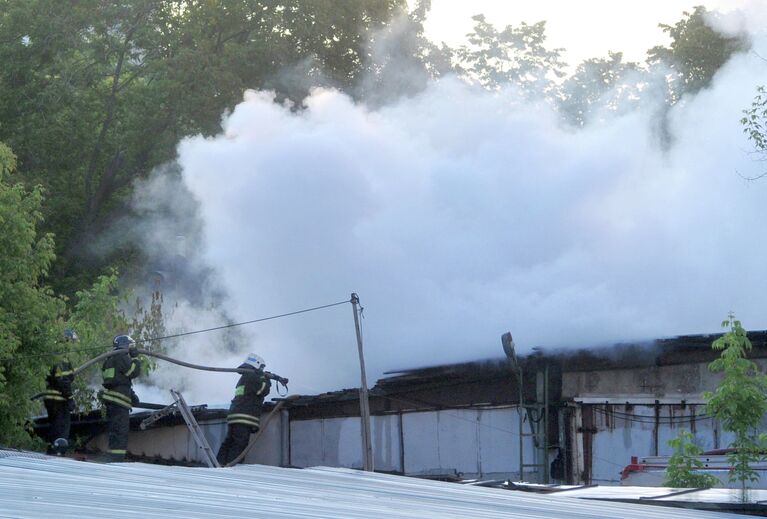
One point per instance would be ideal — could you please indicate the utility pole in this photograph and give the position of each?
(508, 348)
(367, 444)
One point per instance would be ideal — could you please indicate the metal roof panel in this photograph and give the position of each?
(61, 488)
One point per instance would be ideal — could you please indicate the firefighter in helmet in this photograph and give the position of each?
(245, 409)
(58, 401)
(118, 397)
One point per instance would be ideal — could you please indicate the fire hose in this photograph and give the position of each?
(105, 355)
(94, 360)
(269, 375)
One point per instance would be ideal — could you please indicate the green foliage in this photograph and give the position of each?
(7, 161)
(28, 311)
(684, 462)
(754, 123)
(514, 55)
(599, 84)
(147, 324)
(697, 51)
(401, 59)
(96, 317)
(84, 83)
(740, 401)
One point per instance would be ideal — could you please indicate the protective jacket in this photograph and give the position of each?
(58, 383)
(118, 372)
(249, 395)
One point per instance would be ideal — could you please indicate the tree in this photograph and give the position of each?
(29, 312)
(99, 315)
(684, 463)
(84, 84)
(740, 401)
(755, 125)
(514, 55)
(401, 60)
(696, 52)
(599, 84)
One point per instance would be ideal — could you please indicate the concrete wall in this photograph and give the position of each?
(176, 443)
(681, 379)
(608, 432)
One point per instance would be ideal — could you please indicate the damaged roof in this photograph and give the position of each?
(59, 488)
(682, 349)
(492, 382)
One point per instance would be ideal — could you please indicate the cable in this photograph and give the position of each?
(652, 419)
(242, 323)
(153, 339)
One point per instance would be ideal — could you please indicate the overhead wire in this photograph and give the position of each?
(184, 334)
(620, 415)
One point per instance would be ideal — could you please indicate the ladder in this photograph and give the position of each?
(538, 434)
(537, 415)
(199, 438)
(180, 405)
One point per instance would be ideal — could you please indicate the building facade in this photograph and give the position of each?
(577, 417)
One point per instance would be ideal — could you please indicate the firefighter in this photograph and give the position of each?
(58, 401)
(245, 410)
(118, 396)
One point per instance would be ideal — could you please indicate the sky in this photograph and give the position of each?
(458, 214)
(585, 29)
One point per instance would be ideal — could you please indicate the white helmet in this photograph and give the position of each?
(255, 360)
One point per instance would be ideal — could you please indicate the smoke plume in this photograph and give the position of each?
(457, 214)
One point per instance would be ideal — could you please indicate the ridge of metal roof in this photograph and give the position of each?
(60, 488)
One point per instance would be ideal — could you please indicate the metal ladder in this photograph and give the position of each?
(180, 406)
(538, 427)
(537, 433)
(199, 437)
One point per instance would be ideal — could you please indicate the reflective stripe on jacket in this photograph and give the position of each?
(53, 394)
(241, 418)
(58, 382)
(118, 372)
(249, 395)
(116, 397)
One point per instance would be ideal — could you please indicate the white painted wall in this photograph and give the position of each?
(176, 443)
(472, 442)
(478, 443)
(336, 442)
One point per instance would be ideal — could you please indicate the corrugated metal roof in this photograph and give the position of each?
(63, 488)
(709, 495)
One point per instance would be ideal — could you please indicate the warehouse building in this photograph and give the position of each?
(584, 413)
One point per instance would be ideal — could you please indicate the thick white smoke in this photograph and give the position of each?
(459, 214)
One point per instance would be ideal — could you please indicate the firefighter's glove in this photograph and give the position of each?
(133, 351)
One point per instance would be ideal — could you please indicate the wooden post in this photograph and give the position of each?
(367, 444)
(521, 416)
